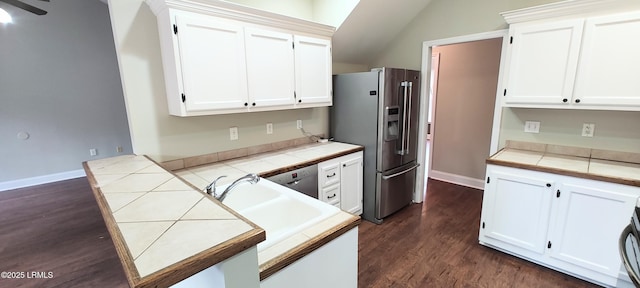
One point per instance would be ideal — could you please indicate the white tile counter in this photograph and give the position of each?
(151, 215)
(572, 161)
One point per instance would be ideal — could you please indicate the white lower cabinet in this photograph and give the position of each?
(340, 182)
(566, 223)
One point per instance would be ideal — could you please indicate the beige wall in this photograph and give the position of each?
(339, 68)
(443, 19)
(163, 137)
(615, 130)
(466, 90)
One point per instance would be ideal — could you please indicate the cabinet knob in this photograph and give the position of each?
(548, 184)
(253, 104)
(565, 100)
(577, 100)
(246, 104)
(300, 101)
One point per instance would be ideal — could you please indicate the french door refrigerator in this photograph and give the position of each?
(379, 110)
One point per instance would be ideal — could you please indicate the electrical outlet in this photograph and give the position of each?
(299, 124)
(532, 126)
(233, 133)
(93, 151)
(269, 128)
(588, 129)
(119, 149)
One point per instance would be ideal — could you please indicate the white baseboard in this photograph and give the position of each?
(26, 182)
(457, 179)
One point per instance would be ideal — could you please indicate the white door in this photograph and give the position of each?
(351, 184)
(213, 63)
(610, 61)
(313, 70)
(542, 62)
(270, 67)
(516, 211)
(589, 217)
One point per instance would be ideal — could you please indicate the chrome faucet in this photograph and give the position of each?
(211, 188)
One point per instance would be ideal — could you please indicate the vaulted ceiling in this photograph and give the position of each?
(371, 26)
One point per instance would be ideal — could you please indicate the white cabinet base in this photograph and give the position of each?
(333, 265)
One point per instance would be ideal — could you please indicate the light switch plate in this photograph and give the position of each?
(532, 126)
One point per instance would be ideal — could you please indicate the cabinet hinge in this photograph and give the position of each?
(558, 193)
(293, 45)
(504, 93)
(549, 244)
(175, 29)
(295, 96)
(488, 180)
(184, 98)
(482, 225)
(511, 40)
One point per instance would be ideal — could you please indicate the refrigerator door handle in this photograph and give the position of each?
(387, 177)
(404, 84)
(406, 150)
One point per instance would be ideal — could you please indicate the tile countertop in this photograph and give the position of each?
(602, 165)
(150, 213)
(268, 164)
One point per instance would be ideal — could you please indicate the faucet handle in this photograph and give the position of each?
(211, 188)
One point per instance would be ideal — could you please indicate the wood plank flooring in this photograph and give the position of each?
(58, 228)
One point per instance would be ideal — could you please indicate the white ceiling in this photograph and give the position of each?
(371, 26)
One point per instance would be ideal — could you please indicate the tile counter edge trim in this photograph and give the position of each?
(278, 263)
(178, 271)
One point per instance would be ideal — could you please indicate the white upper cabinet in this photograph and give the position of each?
(573, 62)
(313, 70)
(211, 54)
(270, 67)
(610, 61)
(220, 57)
(543, 60)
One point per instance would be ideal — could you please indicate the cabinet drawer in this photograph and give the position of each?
(329, 175)
(331, 194)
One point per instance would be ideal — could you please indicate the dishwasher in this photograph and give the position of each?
(303, 180)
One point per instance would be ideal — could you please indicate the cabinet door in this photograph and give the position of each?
(212, 63)
(270, 67)
(610, 61)
(351, 185)
(590, 216)
(515, 211)
(313, 70)
(542, 62)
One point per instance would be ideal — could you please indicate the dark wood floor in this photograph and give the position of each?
(57, 228)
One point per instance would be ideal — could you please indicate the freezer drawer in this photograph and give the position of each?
(394, 189)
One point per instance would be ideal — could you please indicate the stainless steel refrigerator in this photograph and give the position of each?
(379, 110)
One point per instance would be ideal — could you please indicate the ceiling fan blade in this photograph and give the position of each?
(24, 6)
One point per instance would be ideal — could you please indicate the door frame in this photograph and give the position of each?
(418, 195)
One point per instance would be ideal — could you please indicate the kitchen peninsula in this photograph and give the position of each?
(151, 213)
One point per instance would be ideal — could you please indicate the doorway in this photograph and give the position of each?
(449, 157)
